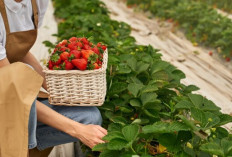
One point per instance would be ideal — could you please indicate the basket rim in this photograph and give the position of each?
(61, 72)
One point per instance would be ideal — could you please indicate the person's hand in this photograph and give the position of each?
(90, 135)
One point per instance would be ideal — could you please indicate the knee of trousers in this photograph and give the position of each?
(93, 116)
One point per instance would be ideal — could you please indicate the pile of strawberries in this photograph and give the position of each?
(76, 54)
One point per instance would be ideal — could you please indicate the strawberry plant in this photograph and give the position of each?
(201, 22)
(148, 111)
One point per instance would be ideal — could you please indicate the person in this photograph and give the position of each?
(25, 120)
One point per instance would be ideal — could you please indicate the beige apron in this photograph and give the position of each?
(19, 86)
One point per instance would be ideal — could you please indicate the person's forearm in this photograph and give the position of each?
(4, 62)
(31, 60)
(50, 117)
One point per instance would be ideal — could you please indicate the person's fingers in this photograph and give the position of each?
(104, 131)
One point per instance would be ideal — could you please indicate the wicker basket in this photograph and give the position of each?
(77, 88)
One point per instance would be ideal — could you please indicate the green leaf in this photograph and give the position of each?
(159, 66)
(119, 119)
(199, 116)
(112, 135)
(135, 88)
(224, 119)
(152, 113)
(149, 89)
(148, 97)
(115, 127)
(117, 88)
(117, 144)
(100, 147)
(169, 141)
(123, 69)
(184, 104)
(130, 132)
(109, 153)
(212, 148)
(191, 88)
(212, 119)
(189, 123)
(164, 127)
(209, 106)
(141, 67)
(132, 63)
(135, 103)
(140, 121)
(125, 109)
(197, 100)
(227, 146)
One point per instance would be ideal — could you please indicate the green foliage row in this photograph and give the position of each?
(201, 22)
(146, 106)
(225, 5)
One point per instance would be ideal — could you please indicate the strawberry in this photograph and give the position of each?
(64, 55)
(63, 49)
(64, 42)
(87, 47)
(75, 53)
(72, 46)
(79, 44)
(96, 50)
(103, 47)
(50, 65)
(56, 67)
(98, 44)
(80, 63)
(99, 62)
(85, 41)
(68, 65)
(210, 53)
(55, 59)
(227, 59)
(73, 39)
(96, 66)
(86, 53)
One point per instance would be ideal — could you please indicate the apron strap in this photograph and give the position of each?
(35, 13)
(5, 19)
(4, 16)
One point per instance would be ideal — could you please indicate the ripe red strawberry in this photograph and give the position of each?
(72, 46)
(55, 59)
(227, 59)
(96, 66)
(56, 67)
(50, 65)
(79, 44)
(80, 63)
(64, 43)
(87, 47)
(86, 53)
(85, 41)
(103, 47)
(64, 55)
(96, 50)
(68, 65)
(63, 49)
(73, 39)
(210, 53)
(98, 44)
(76, 54)
(99, 62)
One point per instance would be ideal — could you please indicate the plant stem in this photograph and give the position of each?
(132, 149)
